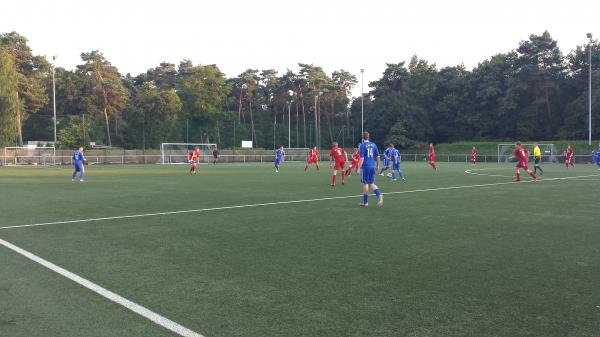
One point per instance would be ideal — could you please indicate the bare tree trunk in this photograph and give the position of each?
(549, 112)
(252, 124)
(18, 124)
(331, 121)
(297, 137)
(316, 110)
(106, 122)
(240, 106)
(303, 116)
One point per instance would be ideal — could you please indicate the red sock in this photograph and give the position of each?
(343, 177)
(532, 174)
(333, 178)
(518, 177)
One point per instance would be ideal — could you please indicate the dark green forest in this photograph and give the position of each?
(532, 92)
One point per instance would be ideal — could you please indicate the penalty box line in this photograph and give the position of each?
(136, 308)
(280, 203)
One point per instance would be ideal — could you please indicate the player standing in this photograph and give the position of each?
(193, 157)
(368, 166)
(313, 158)
(432, 157)
(474, 157)
(569, 157)
(340, 156)
(523, 155)
(279, 158)
(395, 160)
(355, 160)
(537, 159)
(598, 157)
(215, 156)
(78, 160)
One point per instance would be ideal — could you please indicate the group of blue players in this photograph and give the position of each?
(390, 158)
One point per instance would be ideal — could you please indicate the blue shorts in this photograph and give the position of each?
(78, 167)
(396, 166)
(368, 175)
(277, 162)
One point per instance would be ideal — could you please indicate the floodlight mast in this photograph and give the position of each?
(589, 36)
(54, 96)
(362, 102)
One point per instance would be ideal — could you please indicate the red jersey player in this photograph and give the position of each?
(432, 157)
(473, 156)
(523, 155)
(340, 156)
(313, 158)
(355, 160)
(193, 159)
(569, 157)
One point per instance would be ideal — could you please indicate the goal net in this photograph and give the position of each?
(505, 151)
(29, 155)
(296, 154)
(177, 153)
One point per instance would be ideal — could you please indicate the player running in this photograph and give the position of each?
(279, 158)
(474, 157)
(523, 155)
(368, 166)
(385, 159)
(313, 158)
(395, 160)
(355, 160)
(569, 157)
(537, 159)
(432, 157)
(340, 156)
(193, 157)
(78, 160)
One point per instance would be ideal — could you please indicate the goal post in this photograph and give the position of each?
(505, 151)
(177, 153)
(295, 153)
(29, 156)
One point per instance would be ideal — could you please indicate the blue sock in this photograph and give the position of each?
(365, 198)
(401, 174)
(81, 175)
(393, 175)
(377, 193)
(74, 174)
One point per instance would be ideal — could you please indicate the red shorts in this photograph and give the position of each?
(523, 164)
(431, 158)
(313, 160)
(473, 160)
(339, 165)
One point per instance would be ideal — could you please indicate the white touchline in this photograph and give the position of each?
(138, 309)
(280, 203)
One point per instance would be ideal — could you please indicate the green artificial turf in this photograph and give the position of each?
(503, 259)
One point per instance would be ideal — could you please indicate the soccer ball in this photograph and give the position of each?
(389, 175)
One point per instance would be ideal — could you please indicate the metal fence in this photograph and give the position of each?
(125, 157)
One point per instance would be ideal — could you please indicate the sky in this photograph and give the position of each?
(270, 34)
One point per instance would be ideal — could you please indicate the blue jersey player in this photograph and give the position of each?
(598, 157)
(279, 157)
(368, 166)
(395, 159)
(78, 159)
(386, 160)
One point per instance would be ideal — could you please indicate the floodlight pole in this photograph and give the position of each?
(291, 94)
(362, 102)
(589, 35)
(54, 97)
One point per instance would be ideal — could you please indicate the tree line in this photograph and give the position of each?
(532, 92)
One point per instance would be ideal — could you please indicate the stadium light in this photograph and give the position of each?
(54, 96)
(362, 102)
(589, 36)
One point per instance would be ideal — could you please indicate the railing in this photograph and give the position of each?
(125, 159)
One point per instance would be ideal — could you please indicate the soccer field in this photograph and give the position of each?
(238, 250)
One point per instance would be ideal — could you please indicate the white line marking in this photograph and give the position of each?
(279, 203)
(138, 309)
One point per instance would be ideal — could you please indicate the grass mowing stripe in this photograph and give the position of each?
(138, 309)
(281, 203)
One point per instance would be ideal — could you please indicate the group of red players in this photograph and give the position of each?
(338, 158)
